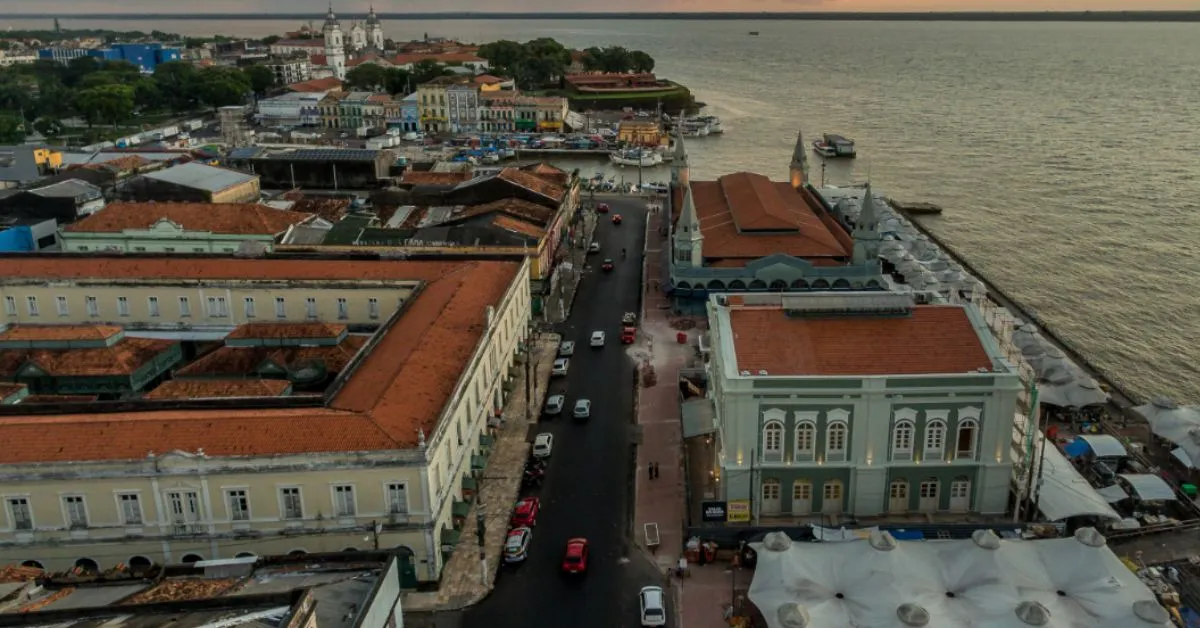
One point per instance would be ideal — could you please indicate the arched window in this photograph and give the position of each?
(835, 441)
(87, 566)
(902, 440)
(32, 563)
(778, 285)
(935, 439)
(737, 284)
(297, 552)
(139, 563)
(191, 558)
(968, 435)
(758, 284)
(245, 555)
(841, 284)
(773, 441)
(820, 284)
(799, 284)
(716, 284)
(806, 439)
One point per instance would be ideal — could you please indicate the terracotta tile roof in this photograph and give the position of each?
(222, 218)
(935, 339)
(400, 388)
(316, 85)
(35, 333)
(59, 399)
(719, 204)
(413, 177)
(131, 162)
(539, 215)
(319, 60)
(329, 208)
(532, 182)
(210, 388)
(379, 98)
(519, 226)
(554, 175)
(245, 361)
(122, 358)
(369, 57)
(487, 79)
(287, 330)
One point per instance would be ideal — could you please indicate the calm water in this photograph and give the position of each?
(1067, 155)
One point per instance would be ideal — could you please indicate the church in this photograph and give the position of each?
(363, 38)
(746, 233)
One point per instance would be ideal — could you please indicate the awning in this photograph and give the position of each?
(1064, 492)
(1179, 454)
(697, 417)
(1105, 446)
(1112, 494)
(1148, 487)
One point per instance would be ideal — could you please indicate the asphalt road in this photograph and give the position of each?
(588, 487)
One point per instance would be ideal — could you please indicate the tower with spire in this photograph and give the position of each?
(374, 31)
(866, 231)
(335, 46)
(680, 171)
(358, 37)
(798, 170)
(688, 242)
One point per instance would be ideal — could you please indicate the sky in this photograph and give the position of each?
(66, 7)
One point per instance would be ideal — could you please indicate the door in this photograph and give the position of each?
(898, 497)
(770, 497)
(960, 495)
(929, 495)
(185, 511)
(801, 497)
(831, 498)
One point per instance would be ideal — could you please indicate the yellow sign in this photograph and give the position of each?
(738, 510)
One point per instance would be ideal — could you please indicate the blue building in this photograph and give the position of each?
(145, 56)
(410, 118)
(62, 55)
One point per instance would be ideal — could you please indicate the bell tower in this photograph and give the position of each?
(335, 46)
(688, 240)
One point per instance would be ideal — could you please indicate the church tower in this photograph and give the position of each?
(335, 46)
(866, 231)
(689, 241)
(374, 31)
(798, 169)
(358, 37)
(680, 171)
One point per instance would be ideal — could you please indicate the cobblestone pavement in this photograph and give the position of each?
(569, 283)
(465, 578)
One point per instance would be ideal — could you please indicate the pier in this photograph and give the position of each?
(564, 152)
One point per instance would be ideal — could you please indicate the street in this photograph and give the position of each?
(589, 483)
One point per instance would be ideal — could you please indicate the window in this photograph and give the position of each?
(218, 307)
(248, 305)
(773, 441)
(770, 489)
(239, 505)
(397, 498)
(968, 433)
(10, 306)
(832, 491)
(373, 307)
(83, 248)
(801, 491)
(169, 249)
(280, 307)
(835, 441)
(310, 307)
(184, 509)
(131, 508)
(33, 306)
(291, 506)
(197, 249)
(935, 439)
(343, 309)
(343, 501)
(902, 440)
(122, 306)
(60, 303)
(806, 438)
(19, 513)
(185, 307)
(76, 511)
(152, 306)
(139, 249)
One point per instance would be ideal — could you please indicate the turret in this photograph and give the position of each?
(798, 169)
(680, 171)
(689, 240)
(866, 231)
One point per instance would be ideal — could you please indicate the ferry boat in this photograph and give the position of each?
(832, 146)
(635, 157)
(713, 122)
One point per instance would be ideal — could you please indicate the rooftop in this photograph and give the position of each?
(532, 182)
(398, 390)
(316, 85)
(221, 218)
(213, 388)
(200, 176)
(121, 358)
(413, 177)
(324, 154)
(71, 188)
(930, 339)
(272, 359)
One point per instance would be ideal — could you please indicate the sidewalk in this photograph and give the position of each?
(462, 577)
(702, 597)
(568, 282)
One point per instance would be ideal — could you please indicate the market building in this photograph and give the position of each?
(192, 182)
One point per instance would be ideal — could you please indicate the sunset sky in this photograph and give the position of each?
(295, 6)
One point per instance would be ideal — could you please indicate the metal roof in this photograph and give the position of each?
(17, 163)
(327, 154)
(1105, 445)
(71, 188)
(202, 177)
(1148, 487)
(245, 152)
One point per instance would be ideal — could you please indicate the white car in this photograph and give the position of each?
(583, 408)
(654, 611)
(597, 339)
(543, 444)
(516, 547)
(560, 367)
(566, 349)
(594, 247)
(554, 404)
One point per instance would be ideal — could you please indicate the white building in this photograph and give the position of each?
(291, 109)
(374, 31)
(335, 46)
(857, 403)
(285, 47)
(8, 58)
(290, 70)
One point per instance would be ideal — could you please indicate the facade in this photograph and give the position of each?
(497, 112)
(307, 47)
(375, 38)
(193, 182)
(16, 58)
(146, 57)
(205, 482)
(318, 168)
(290, 70)
(858, 404)
(291, 109)
(432, 99)
(462, 107)
(331, 109)
(640, 133)
(335, 45)
(62, 55)
(744, 232)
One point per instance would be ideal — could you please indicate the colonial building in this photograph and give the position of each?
(462, 107)
(335, 45)
(418, 356)
(858, 404)
(744, 232)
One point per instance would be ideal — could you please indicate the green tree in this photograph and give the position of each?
(146, 95)
(55, 100)
(15, 96)
(261, 78)
(398, 81)
(50, 127)
(12, 129)
(426, 70)
(366, 76)
(222, 87)
(640, 61)
(108, 104)
(504, 56)
(78, 68)
(177, 81)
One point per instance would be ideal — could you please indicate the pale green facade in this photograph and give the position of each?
(162, 237)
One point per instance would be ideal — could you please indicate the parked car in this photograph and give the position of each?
(554, 404)
(560, 367)
(597, 339)
(525, 513)
(654, 611)
(576, 557)
(629, 318)
(628, 335)
(616, 219)
(583, 408)
(543, 444)
(607, 266)
(602, 208)
(566, 348)
(594, 247)
(516, 549)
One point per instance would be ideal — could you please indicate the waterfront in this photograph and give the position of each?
(1064, 154)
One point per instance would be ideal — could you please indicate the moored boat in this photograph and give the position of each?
(635, 157)
(833, 146)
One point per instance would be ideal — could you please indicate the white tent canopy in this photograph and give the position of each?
(1105, 445)
(982, 582)
(1149, 487)
(1180, 425)
(1064, 492)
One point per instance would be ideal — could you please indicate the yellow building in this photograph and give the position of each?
(641, 133)
(387, 451)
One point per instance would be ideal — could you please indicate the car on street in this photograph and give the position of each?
(616, 219)
(583, 408)
(560, 367)
(525, 513)
(607, 266)
(554, 404)
(543, 444)
(628, 335)
(602, 208)
(516, 549)
(654, 612)
(575, 559)
(597, 339)
(594, 247)
(566, 348)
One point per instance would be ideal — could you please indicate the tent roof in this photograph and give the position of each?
(1148, 487)
(1105, 446)
(1064, 492)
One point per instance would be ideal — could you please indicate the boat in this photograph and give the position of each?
(754, 33)
(635, 157)
(713, 122)
(833, 146)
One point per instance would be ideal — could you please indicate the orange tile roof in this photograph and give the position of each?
(287, 330)
(400, 388)
(210, 388)
(316, 85)
(414, 177)
(515, 207)
(35, 333)
(934, 339)
(220, 218)
(242, 361)
(532, 182)
(59, 399)
(440, 57)
(549, 173)
(122, 358)
(329, 208)
(131, 162)
(487, 79)
(519, 226)
(753, 202)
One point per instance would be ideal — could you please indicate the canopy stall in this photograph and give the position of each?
(1104, 445)
(1148, 487)
(1064, 492)
(1177, 424)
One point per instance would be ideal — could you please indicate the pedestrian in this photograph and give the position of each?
(656, 470)
(650, 469)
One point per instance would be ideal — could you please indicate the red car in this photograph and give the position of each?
(628, 335)
(602, 208)
(525, 513)
(576, 557)
(607, 266)
(616, 219)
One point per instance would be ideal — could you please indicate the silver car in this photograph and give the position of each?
(583, 408)
(554, 404)
(566, 349)
(560, 367)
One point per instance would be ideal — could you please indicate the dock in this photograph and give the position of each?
(565, 152)
(915, 208)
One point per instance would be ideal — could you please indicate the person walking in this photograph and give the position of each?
(650, 470)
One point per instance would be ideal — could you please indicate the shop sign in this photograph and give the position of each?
(711, 511)
(739, 511)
